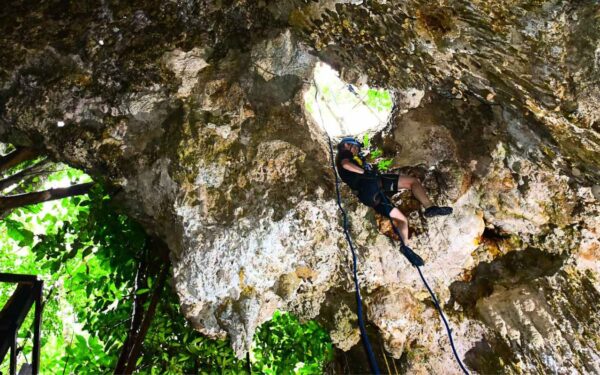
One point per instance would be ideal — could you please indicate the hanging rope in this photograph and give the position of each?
(359, 312)
(416, 262)
(433, 297)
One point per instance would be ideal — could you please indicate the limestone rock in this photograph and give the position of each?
(193, 112)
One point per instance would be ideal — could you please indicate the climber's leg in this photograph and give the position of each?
(417, 189)
(412, 183)
(401, 223)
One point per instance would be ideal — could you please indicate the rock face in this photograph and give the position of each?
(193, 113)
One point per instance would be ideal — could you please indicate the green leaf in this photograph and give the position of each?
(384, 165)
(18, 233)
(366, 142)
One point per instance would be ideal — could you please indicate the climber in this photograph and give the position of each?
(368, 184)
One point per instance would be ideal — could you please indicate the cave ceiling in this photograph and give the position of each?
(192, 113)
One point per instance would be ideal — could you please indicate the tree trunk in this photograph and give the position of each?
(15, 201)
(17, 156)
(136, 317)
(136, 346)
(19, 176)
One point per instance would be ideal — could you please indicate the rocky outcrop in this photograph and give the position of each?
(193, 113)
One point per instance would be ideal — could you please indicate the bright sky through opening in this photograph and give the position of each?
(344, 113)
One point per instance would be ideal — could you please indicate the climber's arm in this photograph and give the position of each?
(349, 166)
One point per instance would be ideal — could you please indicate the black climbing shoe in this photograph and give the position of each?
(437, 211)
(412, 257)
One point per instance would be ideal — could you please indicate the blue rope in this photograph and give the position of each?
(361, 323)
(433, 297)
(439, 309)
(435, 300)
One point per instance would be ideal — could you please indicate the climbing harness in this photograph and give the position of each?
(412, 257)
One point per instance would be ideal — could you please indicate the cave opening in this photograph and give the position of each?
(343, 109)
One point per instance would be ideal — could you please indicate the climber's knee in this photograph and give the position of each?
(396, 214)
(406, 182)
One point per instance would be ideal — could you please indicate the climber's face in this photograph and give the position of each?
(353, 148)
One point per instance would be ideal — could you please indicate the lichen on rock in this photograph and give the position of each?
(193, 113)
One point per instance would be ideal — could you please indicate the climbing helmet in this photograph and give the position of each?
(351, 141)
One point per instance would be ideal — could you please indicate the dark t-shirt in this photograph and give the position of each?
(369, 187)
(366, 186)
(351, 178)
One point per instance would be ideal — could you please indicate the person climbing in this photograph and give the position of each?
(362, 178)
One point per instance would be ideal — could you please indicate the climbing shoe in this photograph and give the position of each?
(437, 211)
(412, 257)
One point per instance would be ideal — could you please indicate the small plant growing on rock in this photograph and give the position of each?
(375, 156)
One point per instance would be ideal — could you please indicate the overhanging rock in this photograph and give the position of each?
(194, 112)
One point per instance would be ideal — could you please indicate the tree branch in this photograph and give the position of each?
(17, 156)
(148, 317)
(17, 177)
(136, 317)
(15, 201)
(136, 346)
(27, 181)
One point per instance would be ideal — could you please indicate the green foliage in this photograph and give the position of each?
(379, 100)
(375, 156)
(88, 256)
(173, 347)
(86, 353)
(343, 103)
(22, 230)
(284, 346)
(17, 232)
(366, 141)
(384, 165)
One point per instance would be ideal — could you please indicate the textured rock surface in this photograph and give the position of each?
(193, 113)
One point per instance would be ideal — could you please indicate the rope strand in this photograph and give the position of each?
(439, 309)
(431, 293)
(363, 332)
(361, 323)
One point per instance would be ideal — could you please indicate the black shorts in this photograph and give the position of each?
(370, 193)
(389, 182)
